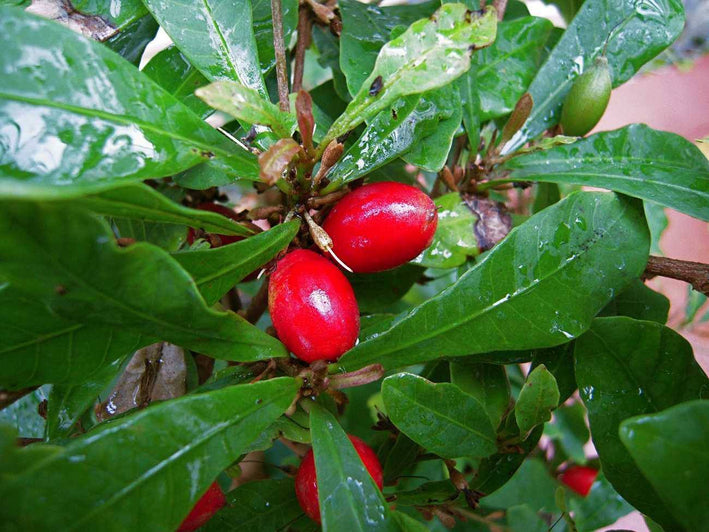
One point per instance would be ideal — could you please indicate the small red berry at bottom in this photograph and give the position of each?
(212, 500)
(306, 485)
(579, 479)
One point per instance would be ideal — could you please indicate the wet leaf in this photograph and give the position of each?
(216, 36)
(430, 54)
(559, 361)
(349, 498)
(545, 259)
(531, 485)
(670, 448)
(139, 288)
(488, 383)
(635, 160)
(378, 291)
(173, 451)
(263, 28)
(638, 301)
(440, 417)
(539, 396)
(625, 368)
(247, 105)
(216, 270)
(630, 32)
(600, 508)
(87, 136)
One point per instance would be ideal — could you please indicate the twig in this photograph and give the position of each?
(304, 27)
(694, 273)
(258, 304)
(7, 397)
(280, 52)
(500, 6)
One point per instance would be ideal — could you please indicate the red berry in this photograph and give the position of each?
(579, 478)
(313, 307)
(224, 211)
(206, 507)
(306, 484)
(381, 226)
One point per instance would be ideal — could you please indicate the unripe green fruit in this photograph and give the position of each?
(587, 100)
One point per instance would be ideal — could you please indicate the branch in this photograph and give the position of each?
(280, 51)
(304, 28)
(500, 6)
(694, 273)
(7, 397)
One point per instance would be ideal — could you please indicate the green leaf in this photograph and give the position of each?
(247, 105)
(636, 160)
(366, 28)
(87, 136)
(624, 368)
(169, 237)
(545, 259)
(559, 361)
(429, 493)
(539, 396)
(573, 433)
(600, 508)
(220, 171)
(140, 288)
(670, 448)
(258, 506)
(216, 36)
(657, 222)
(172, 451)
(440, 417)
(505, 69)
(68, 402)
(216, 270)
(408, 523)
(546, 194)
(171, 70)
(695, 301)
(530, 485)
(640, 302)
(263, 28)
(430, 54)
(141, 202)
(470, 104)
(349, 498)
(401, 457)
(378, 291)
(629, 32)
(521, 518)
(488, 383)
(294, 428)
(23, 414)
(37, 346)
(454, 240)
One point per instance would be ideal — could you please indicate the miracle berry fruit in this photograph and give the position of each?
(306, 483)
(313, 307)
(579, 479)
(381, 226)
(210, 503)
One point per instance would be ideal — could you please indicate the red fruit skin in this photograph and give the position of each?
(212, 500)
(313, 307)
(381, 226)
(224, 211)
(306, 485)
(579, 479)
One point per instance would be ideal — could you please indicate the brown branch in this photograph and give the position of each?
(305, 23)
(500, 6)
(7, 397)
(280, 52)
(694, 273)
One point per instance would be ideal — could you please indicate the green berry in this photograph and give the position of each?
(587, 100)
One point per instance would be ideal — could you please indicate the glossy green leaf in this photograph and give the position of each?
(23, 414)
(247, 105)
(366, 28)
(546, 194)
(670, 448)
(470, 105)
(454, 240)
(263, 28)
(258, 506)
(220, 171)
(521, 518)
(539, 396)
(505, 69)
(140, 288)
(440, 417)
(559, 361)
(401, 457)
(37, 346)
(624, 368)
(636, 160)
(377, 292)
(349, 498)
(132, 40)
(530, 485)
(631, 32)
(217, 37)
(217, 270)
(169, 237)
(571, 430)
(600, 508)
(545, 259)
(172, 450)
(657, 222)
(640, 302)
(488, 383)
(408, 523)
(171, 70)
(429, 493)
(294, 428)
(141, 202)
(430, 54)
(68, 402)
(86, 136)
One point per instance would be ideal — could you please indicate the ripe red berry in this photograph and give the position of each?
(212, 500)
(381, 226)
(221, 240)
(306, 484)
(313, 307)
(579, 478)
